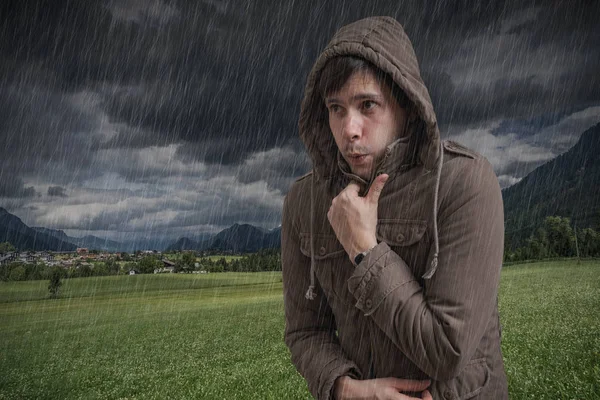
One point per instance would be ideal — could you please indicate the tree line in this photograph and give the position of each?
(264, 260)
(556, 238)
(18, 271)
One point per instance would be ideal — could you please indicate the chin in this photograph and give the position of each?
(366, 175)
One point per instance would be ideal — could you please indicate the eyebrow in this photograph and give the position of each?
(356, 97)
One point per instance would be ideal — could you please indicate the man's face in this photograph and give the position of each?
(364, 119)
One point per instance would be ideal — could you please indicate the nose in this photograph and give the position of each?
(352, 126)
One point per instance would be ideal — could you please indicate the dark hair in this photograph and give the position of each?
(338, 70)
(336, 73)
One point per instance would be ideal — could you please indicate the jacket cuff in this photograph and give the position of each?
(333, 371)
(381, 272)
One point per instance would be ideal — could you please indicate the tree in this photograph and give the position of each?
(187, 262)
(18, 273)
(589, 242)
(148, 264)
(561, 238)
(216, 267)
(83, 270)
(112, 266)
(537, 245)
(7, 247)
(34, 271)
(221, 265)
(55, 283)
(100, 269)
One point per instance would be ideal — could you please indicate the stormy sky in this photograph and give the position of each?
(176, 118)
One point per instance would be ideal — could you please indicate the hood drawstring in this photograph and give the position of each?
(434, 262)
(310, 293)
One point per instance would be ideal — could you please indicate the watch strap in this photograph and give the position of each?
(360, 256)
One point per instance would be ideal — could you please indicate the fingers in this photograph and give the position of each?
(408, 385)
(424, 396)
(377, 187)
(406, 397)
(352, 187)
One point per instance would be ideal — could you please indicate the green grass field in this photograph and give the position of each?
(550, 312)
(219, 336)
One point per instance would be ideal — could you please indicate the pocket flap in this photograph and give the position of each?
(326, 246)
(400, 232)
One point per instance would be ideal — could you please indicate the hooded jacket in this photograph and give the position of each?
(423, 303)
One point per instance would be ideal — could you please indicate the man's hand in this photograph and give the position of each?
(346, 388)
(354, 218)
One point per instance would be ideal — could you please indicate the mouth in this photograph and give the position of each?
(357, 158)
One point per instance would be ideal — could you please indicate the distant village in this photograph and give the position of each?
(82, 257)
(18, 265)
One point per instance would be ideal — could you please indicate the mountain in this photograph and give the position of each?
(94, 242)
(567, 186)
(238, 238)
(13, 230)
(134, 242)
(146, 243)
(89, 241)
(54, 232)
(183, 244)
(272, 239)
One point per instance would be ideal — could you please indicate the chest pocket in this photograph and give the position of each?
(400, 232)
(329, 257)
(326, 246)
(408, 238)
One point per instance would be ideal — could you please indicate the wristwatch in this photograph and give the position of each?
(360, 256)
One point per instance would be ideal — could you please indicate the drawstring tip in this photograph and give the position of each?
(310, 293)
(432, 268)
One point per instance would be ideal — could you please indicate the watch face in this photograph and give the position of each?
(359, 258)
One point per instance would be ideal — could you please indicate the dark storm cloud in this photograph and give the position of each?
(165, 95)
(13, 187)
(219, 201)
(48, 133)
(57, 191)
(524, 61)
(277, 167)
(211, 70)
(510, 99)
(142, 11)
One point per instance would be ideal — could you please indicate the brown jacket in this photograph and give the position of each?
(423, 303)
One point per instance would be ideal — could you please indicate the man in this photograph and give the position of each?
(392, 245)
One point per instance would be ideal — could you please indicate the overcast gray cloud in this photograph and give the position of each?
(14, 187)
(174, 117)
(57, 191)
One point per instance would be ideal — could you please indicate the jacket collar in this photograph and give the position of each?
(392, 162)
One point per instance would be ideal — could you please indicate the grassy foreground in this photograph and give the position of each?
(219, 336)
(550, 313)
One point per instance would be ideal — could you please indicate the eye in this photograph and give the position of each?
(334, 109)
(369, 104)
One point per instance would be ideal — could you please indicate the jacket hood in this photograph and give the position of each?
(383, 42)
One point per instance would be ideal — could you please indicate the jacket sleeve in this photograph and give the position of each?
(309, 324)
(438, 326)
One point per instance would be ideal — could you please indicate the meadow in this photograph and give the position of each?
(219, 336)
